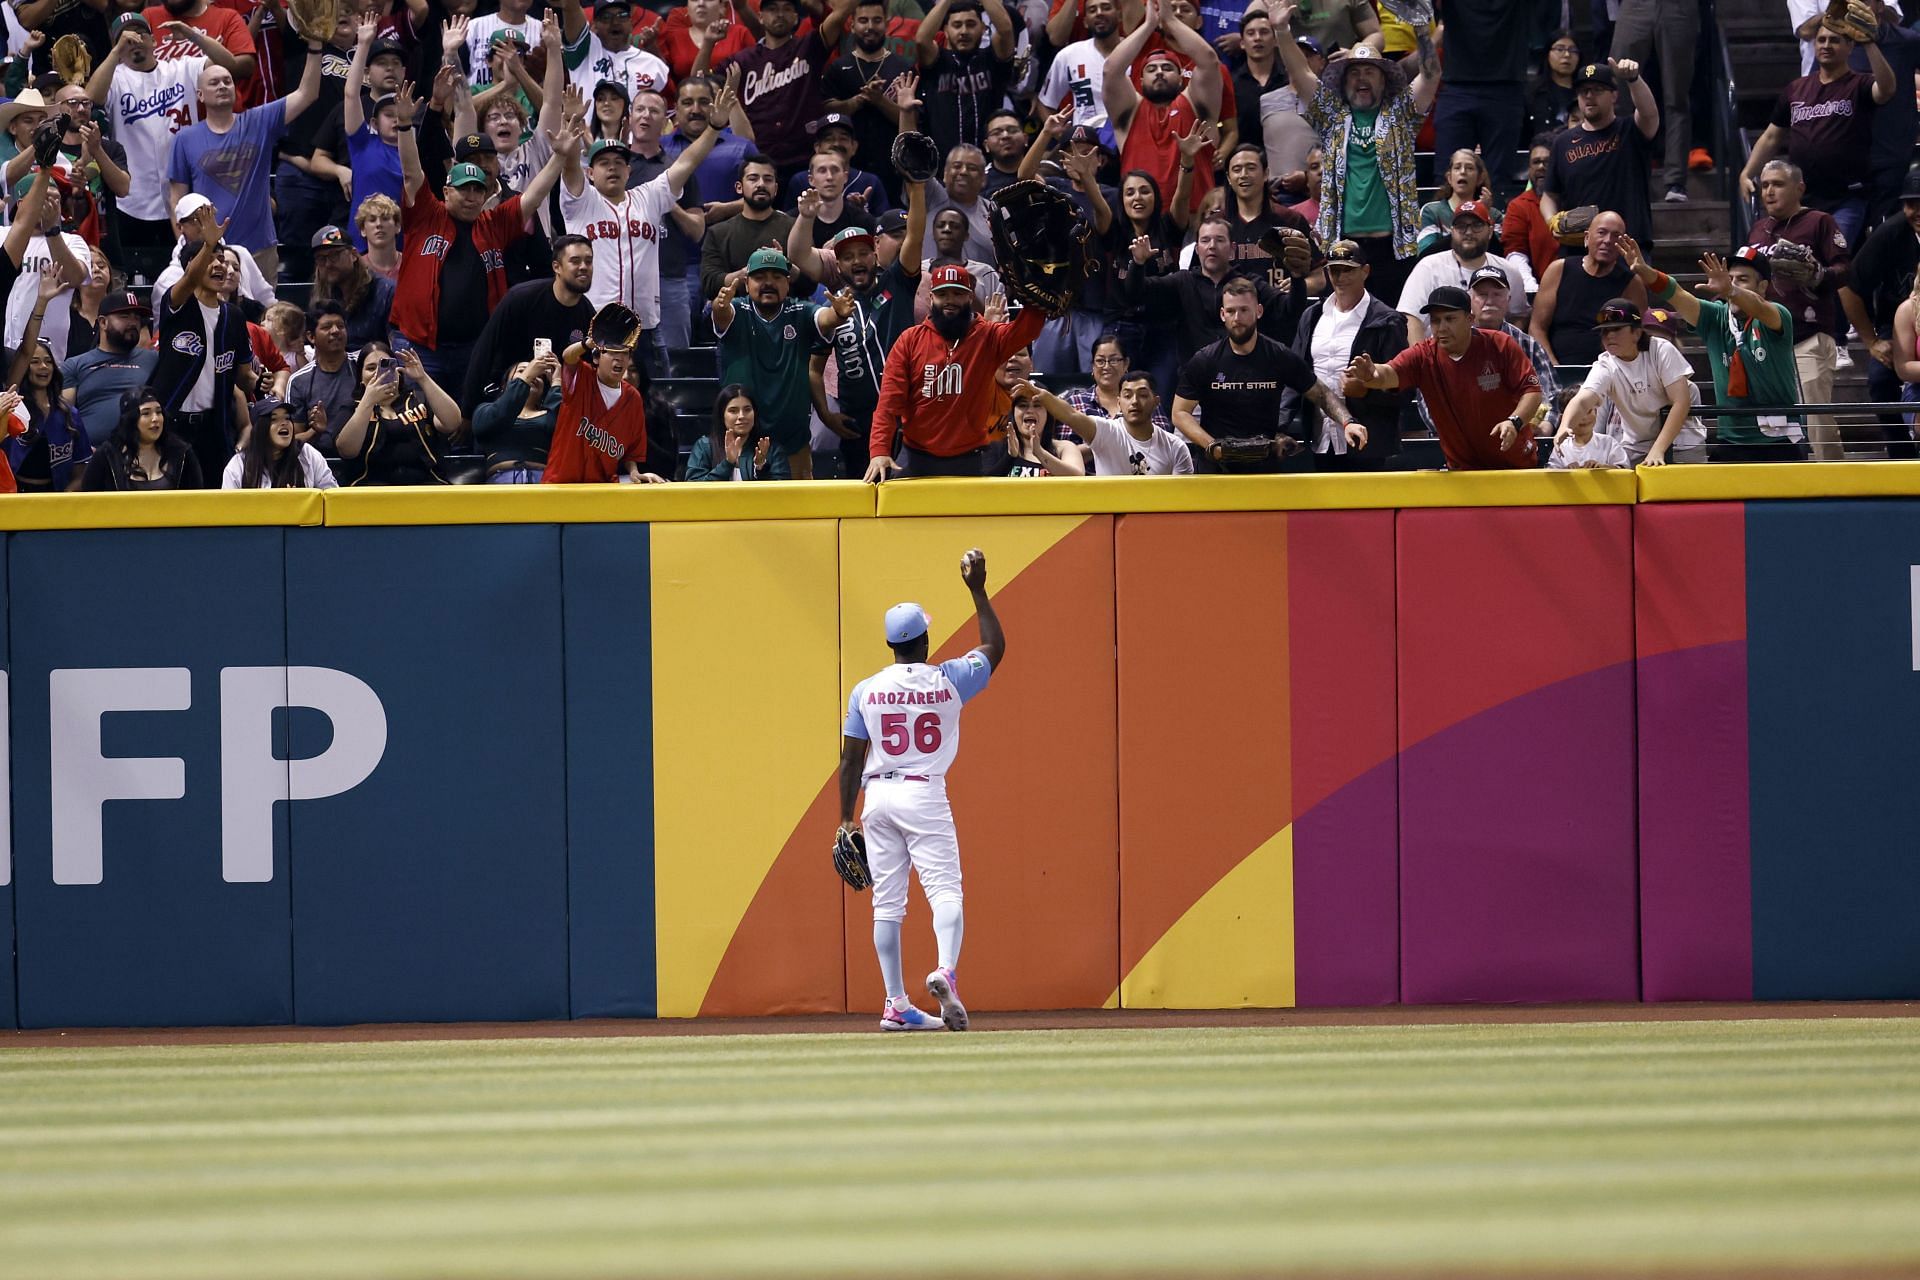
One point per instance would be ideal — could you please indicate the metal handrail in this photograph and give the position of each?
(1730, 140)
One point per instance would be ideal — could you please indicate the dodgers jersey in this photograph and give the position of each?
(910, 714)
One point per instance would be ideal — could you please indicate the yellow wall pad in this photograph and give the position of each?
(746, 724)
(1780, 480)
(598, 503)
(186, 509)
(1232, 949)
(1119, 495)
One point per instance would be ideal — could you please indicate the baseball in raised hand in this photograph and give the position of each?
(973, 570)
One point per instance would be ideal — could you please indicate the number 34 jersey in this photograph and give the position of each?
(910, 714)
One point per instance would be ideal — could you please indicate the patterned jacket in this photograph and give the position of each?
(1395, 131)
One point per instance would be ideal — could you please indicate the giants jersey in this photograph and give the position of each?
(626, 243)
(909, 713)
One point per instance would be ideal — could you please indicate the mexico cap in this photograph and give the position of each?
(768, 260)
(467, 175)
(952, 278)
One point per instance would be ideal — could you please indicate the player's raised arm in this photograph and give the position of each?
(993, 641)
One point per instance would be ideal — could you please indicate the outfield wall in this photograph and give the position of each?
(530, 753)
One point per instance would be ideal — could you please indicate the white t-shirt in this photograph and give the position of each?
(1798, 11)
(1600, 450)
(1443, 268)
(1078, 70)
(480, 33)
(637, 69)
(199, 397)
(1638, 394)
(314, 471)
(909, 713)
(1116, 452)
(1331, 345)
(144, 110)
(26, 291)
(626, 243)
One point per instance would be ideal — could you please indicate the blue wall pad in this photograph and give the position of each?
(8, 1018)
(609, 668)
(171, 909)
(1833, 697)
(435, 889)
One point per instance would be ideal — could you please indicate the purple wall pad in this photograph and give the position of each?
(1696, 870)
(1517, 858)
(1346, 895)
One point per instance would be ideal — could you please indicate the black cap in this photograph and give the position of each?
(893, 222)
(1595, 73)
(831, 120)
(1618, 313)
(1489, 274)
(262, 410)
(474, 144)
(1910, 189)
(615, 85)
(1448, 297)
(386, 45)
(612, 4)
(1754, 256)
(1087, 135)
(122, 300)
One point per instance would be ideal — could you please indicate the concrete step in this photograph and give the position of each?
(1693, 220)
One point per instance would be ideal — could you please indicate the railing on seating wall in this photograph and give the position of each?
(1730, 144)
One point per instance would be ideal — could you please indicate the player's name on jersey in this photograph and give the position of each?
(907, 697)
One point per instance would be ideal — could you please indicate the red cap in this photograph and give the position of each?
(952, 278)
(1474, 209)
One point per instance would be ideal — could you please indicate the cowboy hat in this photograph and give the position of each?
(1365, 55)
(29, 100)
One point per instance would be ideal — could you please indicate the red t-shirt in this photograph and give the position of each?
(1157, 43)
(268, 62)
(675, 43)
(224, 25)
(941, 393)
(427, 229)
(1468, 397)
(591, 439)
(1150, 146)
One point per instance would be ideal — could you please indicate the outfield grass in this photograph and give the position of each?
(1723, 1144)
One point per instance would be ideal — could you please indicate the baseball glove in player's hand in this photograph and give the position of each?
(1793, 264)
(1854, 19)
(71, 59)
(1233, 452)
(915, 156)
(850, 858)
(1569, 226)
(1291, 248)
(1040, 240)
(314, 19)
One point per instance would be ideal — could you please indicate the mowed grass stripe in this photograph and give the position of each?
(1656, 1144)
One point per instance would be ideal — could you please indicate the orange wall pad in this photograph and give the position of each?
(1033, 788)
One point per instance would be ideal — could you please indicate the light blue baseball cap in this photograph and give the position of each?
(906, 622)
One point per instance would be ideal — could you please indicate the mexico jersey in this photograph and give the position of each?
(145, 109)
(626, 243)
(591, 438)
(910, 714)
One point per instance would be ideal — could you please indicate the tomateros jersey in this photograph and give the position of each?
(626, 237)
(591, 439)
(428, 231)
(910, 714)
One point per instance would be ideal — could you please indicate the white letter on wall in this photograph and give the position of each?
(253, 780)
(83, 779)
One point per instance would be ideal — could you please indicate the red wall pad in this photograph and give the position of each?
(1517, 857)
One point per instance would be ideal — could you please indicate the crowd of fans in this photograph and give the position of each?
(244, 254)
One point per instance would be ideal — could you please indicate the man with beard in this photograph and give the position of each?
(1369, 119)
(780, 80)
(119, 364)
(1194, 297)
(556, 309)
(758, 225)
(341, 275)
(767, 341)
(952, 247)
(1574, 289)
(323, 393)
(1469, 238)
(1149, 123)
(1078, 71)
(863, 323)
(1602, 160)
(1880, 279)
(148, 101)
(855, 86)
(1238, 384)
(1814, 308)
(938, 389)
(965, 82)
(1479, 387)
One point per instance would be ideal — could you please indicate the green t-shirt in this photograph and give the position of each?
(771, 358)
(1767, 356)
(1365, 206)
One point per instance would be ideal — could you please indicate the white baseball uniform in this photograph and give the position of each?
(626, 243)
(144, 110)
(590, 62)
(909, 714)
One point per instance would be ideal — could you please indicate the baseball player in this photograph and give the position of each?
(901, 734)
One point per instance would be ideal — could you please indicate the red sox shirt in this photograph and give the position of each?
(428, 231)
(626, 243)
(591, 438)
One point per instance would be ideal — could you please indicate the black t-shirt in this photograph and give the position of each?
(1239, 395)
(1882, 270)
(850, 216)
(305, 128)
(1247, 93)
(872, 130)
(1607, 168)
(1487, 41)
(1829, 131)
(1249, 259)
(961, 90)
(463, 288)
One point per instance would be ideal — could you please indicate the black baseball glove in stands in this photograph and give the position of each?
(1291, 248)
(1793, 264)
(850, 858)
(915, 156)
(614, 328)
(1238, 453)
(1040, 239)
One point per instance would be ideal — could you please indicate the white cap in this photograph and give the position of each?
(906, 622)
(188, 204)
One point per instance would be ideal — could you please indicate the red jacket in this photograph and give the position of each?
(941, 394)
(428, 230)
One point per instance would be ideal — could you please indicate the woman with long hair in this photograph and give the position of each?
(83, 323)
(1146, 341)
(515, 428)
(1551, 108)
(608, 119)
(51, 455)
(1466, 179)
(142, 455)
(402, 424)
(735, 446)
(272, 459)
